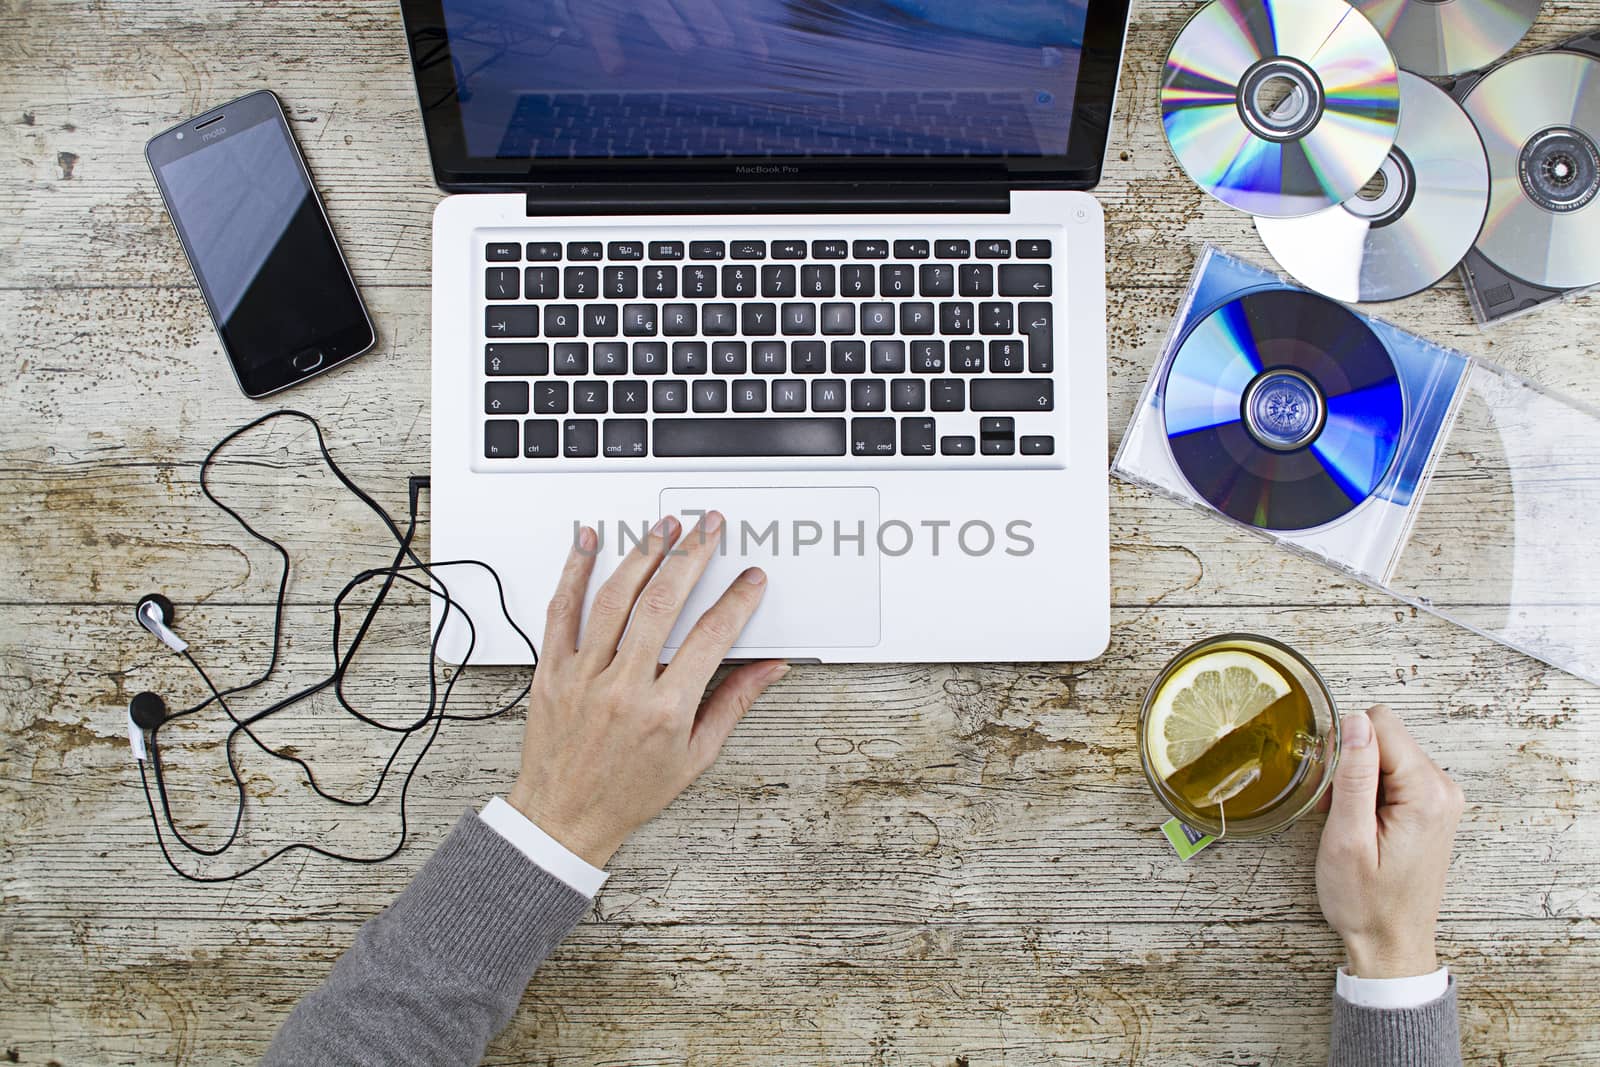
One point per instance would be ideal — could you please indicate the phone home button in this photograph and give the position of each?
(306, 362)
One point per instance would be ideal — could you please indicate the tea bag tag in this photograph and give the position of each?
(1186, 841)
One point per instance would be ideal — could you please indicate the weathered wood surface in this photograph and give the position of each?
(889, 865)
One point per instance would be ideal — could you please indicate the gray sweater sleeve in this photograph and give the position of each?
(1425, 1036)
(434, 976)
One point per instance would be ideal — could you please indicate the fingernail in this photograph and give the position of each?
(755, 576)
(586, 538)
(1356, 731)
(712, 522)
(777, 672)
(664, 524)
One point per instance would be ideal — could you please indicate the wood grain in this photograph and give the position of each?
(889, 865)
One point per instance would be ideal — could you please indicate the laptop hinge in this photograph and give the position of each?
(769, 198)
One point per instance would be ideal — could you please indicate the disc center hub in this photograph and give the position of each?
(1283, 409)
(1560, 169)
(1280, 98)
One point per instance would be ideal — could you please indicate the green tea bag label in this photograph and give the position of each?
(1186, 840)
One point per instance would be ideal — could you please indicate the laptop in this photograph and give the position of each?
(827, 267)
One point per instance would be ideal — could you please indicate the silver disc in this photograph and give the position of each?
(1439, 37)
(1539, 117)
(1411, 225)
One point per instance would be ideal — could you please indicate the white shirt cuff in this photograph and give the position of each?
(1392, 992)
(541, 848)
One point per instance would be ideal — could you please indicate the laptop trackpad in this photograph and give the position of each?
(819, 548)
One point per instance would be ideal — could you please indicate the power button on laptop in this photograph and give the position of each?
(304, 362)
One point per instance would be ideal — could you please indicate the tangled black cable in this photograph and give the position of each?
(431, 720)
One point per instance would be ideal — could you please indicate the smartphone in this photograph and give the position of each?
(259, 243)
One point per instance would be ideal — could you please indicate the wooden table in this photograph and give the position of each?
(889, 865)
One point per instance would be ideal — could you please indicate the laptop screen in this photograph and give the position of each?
(701, 79)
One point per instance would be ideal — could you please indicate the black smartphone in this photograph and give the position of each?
(259, 244)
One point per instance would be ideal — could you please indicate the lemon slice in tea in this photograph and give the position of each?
(1205, 700)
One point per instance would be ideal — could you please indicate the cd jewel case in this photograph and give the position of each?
(1431, 475)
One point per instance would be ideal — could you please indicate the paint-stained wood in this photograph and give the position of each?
(890, 865)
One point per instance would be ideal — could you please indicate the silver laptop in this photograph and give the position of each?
(826, 267)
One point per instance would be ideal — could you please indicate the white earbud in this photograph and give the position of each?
(155, 614)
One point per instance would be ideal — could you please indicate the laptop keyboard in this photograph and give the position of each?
(826, 353)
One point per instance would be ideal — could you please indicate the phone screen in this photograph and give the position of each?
(260, 246)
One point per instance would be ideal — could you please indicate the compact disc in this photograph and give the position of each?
(1439, 37)
(1282, 409)
(1413, 222)
(1539, 117)
(1280, 107)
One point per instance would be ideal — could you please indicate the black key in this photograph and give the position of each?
(661, 282)
(870, 249)
(808, 357)
(838, 318)
(625, 250)
(503, 253)
(955, 318)
(908, 394)
(897, 279)
(501, 283)
(580, 283)
(956, 446)
(728, 357)
(719, 320)
(966, 357)
(857, 280)
(707, 250)
(1013, 394)
(769, 357)
(680, 320)
(1025, 279)
(550, 398)
(688, 357)
(758, 320)
(560, 320)
(572, 357)
(622, 283)
(916, 317)
(977, 279)
(994, 318)
(700, 281)
(649, 357)
(669, 397)
(666, 249)
(994, 249)
(829, 249)
(750, 437)
(936, 279)
(540, 283)
(500, 439)
(911, 250)
(1005, 357)
(827, 394)
(749, 395)
(505, 398)
(927, 357)
(916, 436)
(738, 281)
(522, 361)
(952, 249)
(611, 357)
(585, 250)
(949, 394)
(639, 320)
(817, 279)
(877, 317)
(540, 438)
(997, 436)
(749, 250)
(710, 395)
(788, 250)
(871, 437)
(589, 398)
(1035, 320)
(888, 357)
(580, 438)
(868, 394)
(507, 321)
(788, 395)
(799, 320)
(1038, 445)
(544, 251)
(600, 320)
(629, 397)
(625, 439)
(778, 281)
(1033, 249)
(849, 357)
